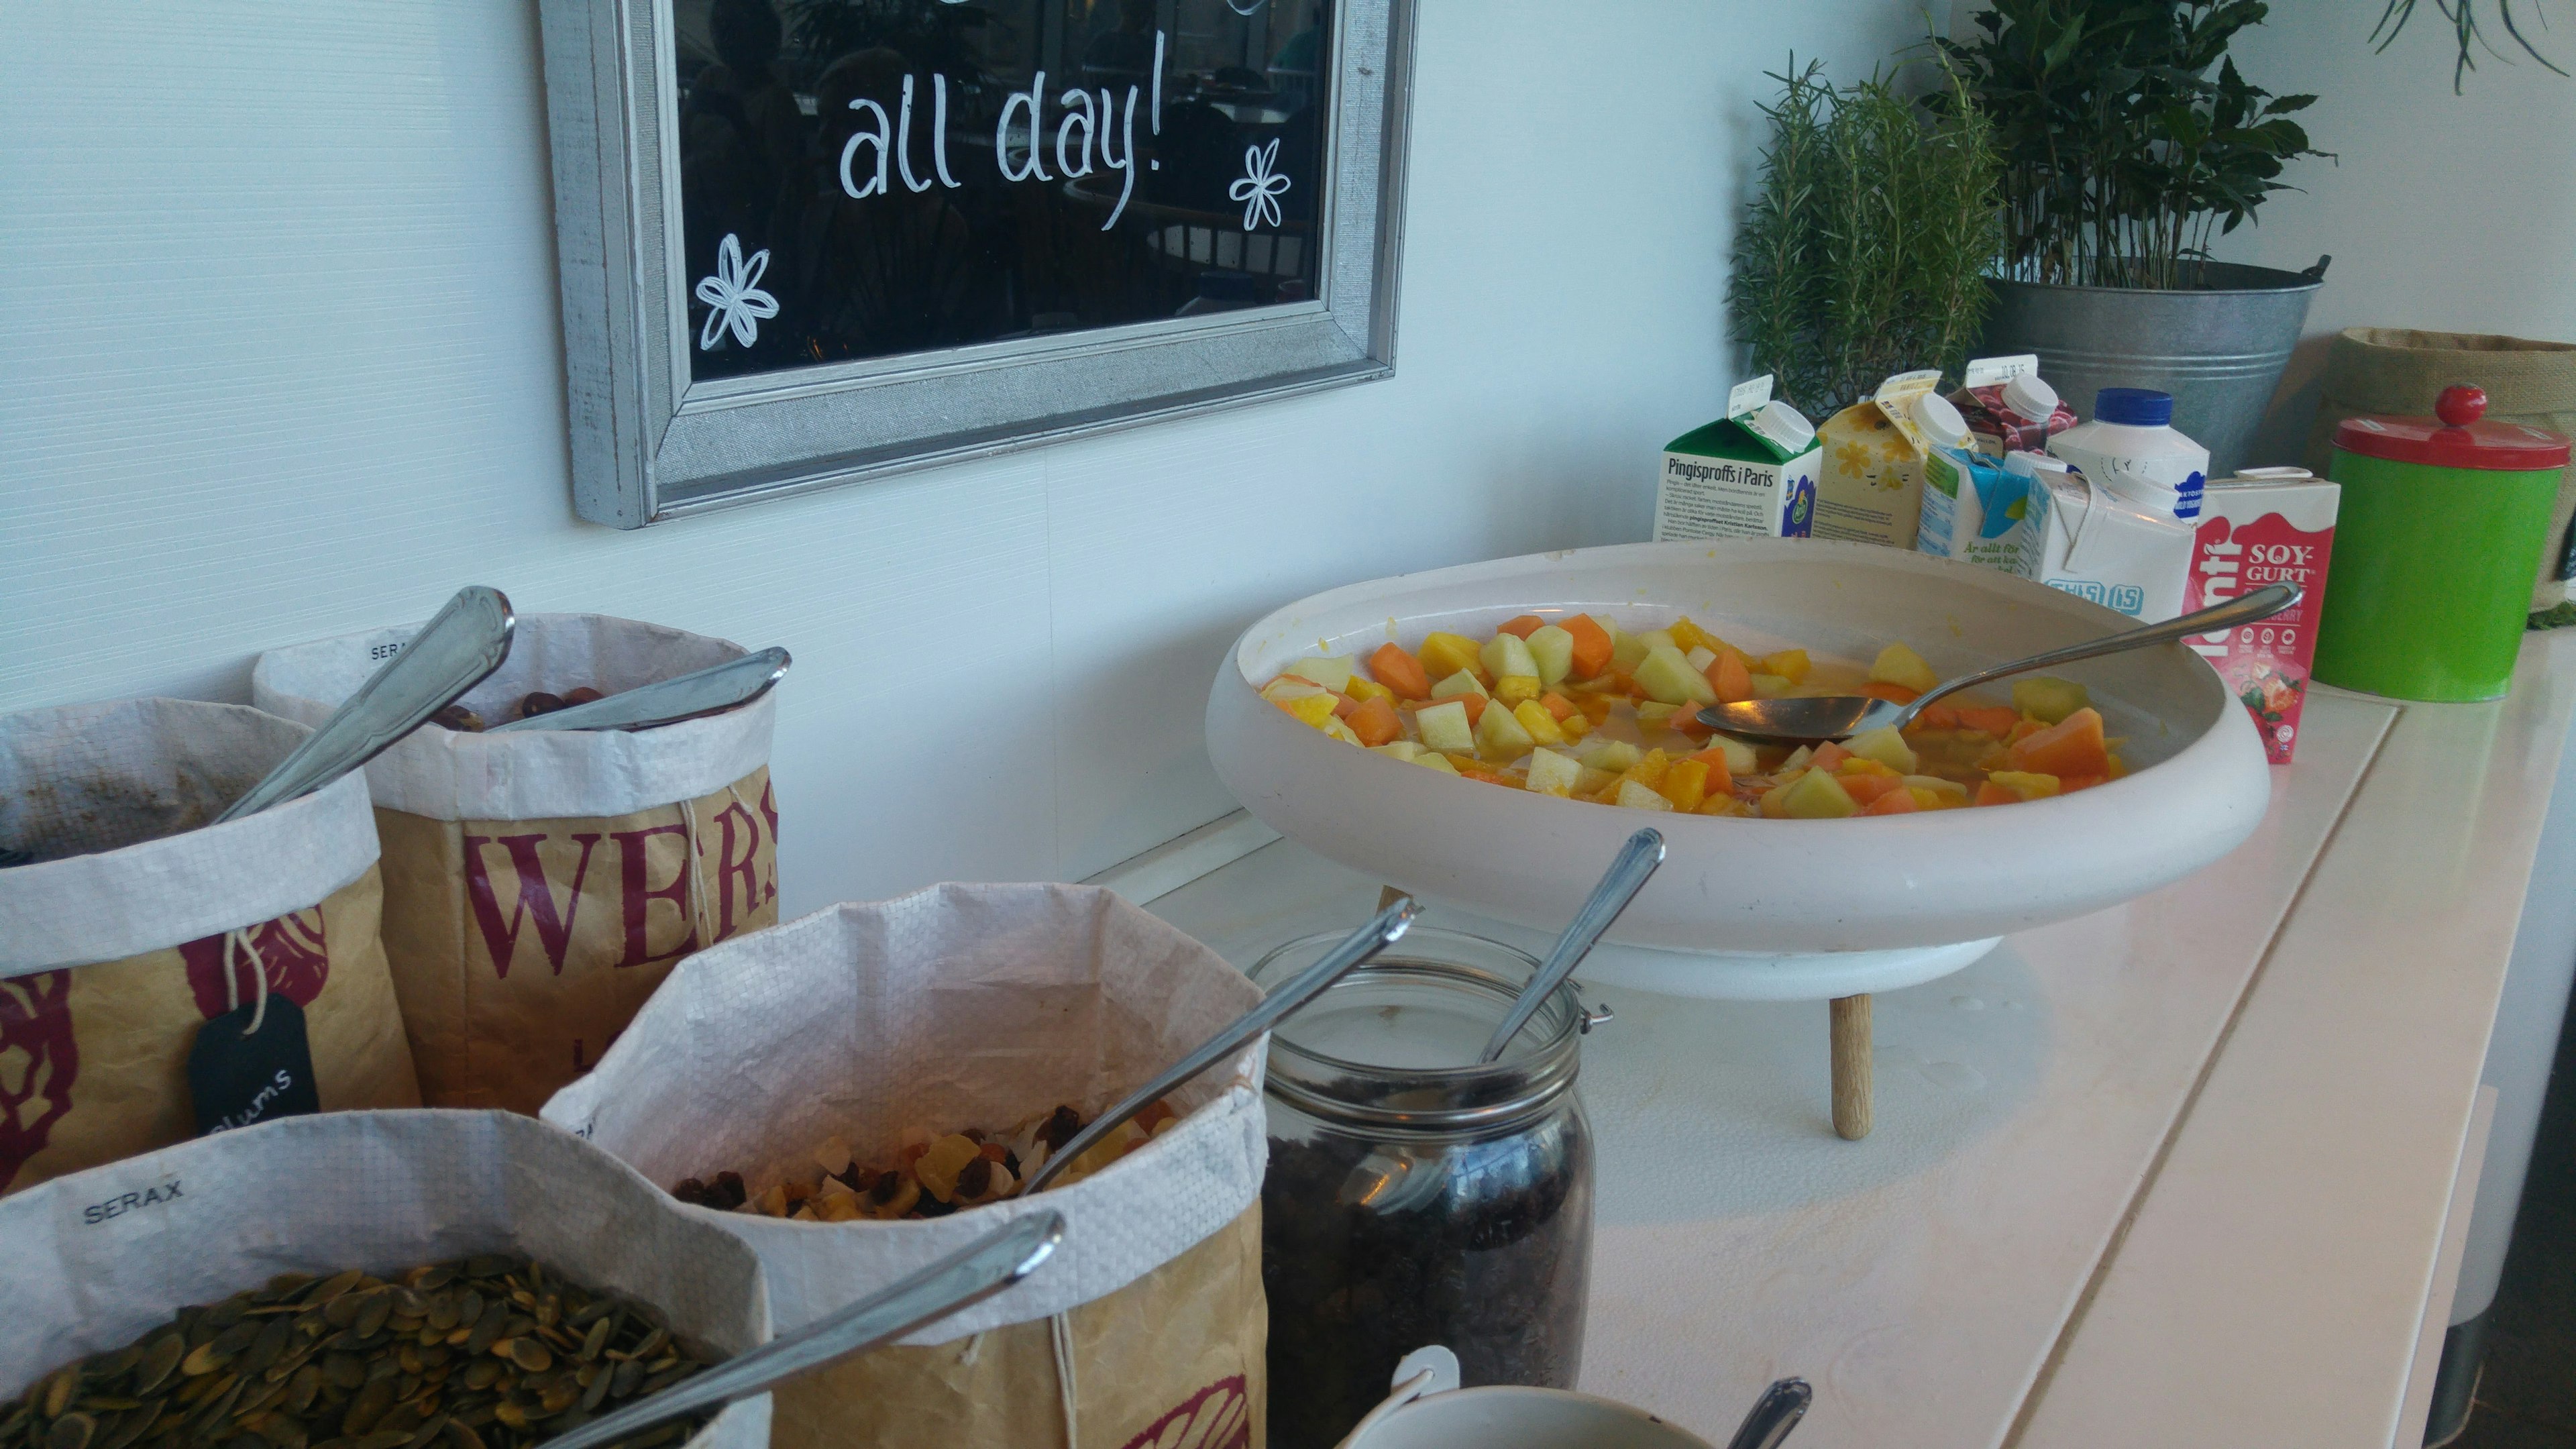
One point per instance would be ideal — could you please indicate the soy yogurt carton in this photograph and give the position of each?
(1750, 474)
(2265, 526)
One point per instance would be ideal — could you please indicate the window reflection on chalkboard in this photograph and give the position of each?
(932, 173)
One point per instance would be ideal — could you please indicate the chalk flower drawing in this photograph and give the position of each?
(733, 295)
(1260, 186)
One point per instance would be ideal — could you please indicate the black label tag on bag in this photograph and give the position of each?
(237, 1077)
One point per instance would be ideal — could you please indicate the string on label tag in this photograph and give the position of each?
(253, 1063)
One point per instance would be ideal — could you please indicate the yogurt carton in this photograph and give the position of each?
(1977, 510)
(2008, 408)
(1750, 474)
(2265, 526)
(2131, 449)
(2098, 546)
(1870, 484)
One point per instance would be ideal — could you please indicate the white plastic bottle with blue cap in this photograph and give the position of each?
(2131, 451)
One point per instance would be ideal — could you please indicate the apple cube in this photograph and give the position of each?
(1444, 728)
(1405, 750)
(1552, 649)
(1593, 782)
(1335, 729)
(1951, 792)
(1506, 654)
(1701, 657)
(1886, 746)
(1457, 684)
(1641, 797)
(1897, 664)
(1611, 755)
(1627, 651)
(2049, 700)
(1433, 759)
(1551, 773)
(1499, 736)
(1816, 795)
(1769, 686)
(1740, 759)
(1333, 673)
(1668, 678)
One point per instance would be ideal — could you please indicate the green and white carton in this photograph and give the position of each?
(1750, 474)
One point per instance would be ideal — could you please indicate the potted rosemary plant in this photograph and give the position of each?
(1865, 249)
(2129, 141)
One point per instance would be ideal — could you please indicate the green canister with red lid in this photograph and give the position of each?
(2435, 549)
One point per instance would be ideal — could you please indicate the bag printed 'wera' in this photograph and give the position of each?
(140, 925)
(539, 884)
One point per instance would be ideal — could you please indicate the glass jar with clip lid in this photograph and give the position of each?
(1415, 1196)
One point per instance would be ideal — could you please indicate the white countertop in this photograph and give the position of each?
(2175, 1173)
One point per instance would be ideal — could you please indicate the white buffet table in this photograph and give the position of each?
(2174, 1174)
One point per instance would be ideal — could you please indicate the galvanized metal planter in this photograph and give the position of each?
(2219, 349)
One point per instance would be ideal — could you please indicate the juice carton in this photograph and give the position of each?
(2008, 408)
(2265, 526)
(1976, 509)
(1750, 474)
(2096, 545)
(1870, 488)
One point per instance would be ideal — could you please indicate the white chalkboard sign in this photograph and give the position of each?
(809, 242)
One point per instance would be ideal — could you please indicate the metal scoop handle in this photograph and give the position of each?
(1628, 874)
(1384, 930)
(960, 1280)
(712, 690)
(456, 650)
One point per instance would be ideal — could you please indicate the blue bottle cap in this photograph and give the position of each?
(2135, 407)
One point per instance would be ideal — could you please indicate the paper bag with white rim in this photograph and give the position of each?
(145, 947)
(539, 884)
(102, 1258)
(863, 1029)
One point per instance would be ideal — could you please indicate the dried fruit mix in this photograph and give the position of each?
(932, 1176)
(488, 1352)
(537, 702)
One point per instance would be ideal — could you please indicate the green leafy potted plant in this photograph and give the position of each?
(2129, 141)
(1865, 249)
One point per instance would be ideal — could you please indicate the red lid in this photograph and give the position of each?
(2454, 438)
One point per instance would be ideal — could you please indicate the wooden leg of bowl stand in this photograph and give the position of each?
(1850, 1016)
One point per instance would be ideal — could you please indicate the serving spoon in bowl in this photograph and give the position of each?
(1840, 716)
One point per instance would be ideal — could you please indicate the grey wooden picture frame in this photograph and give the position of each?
(650, 444)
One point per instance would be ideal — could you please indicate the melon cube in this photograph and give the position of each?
(1627, 651)
(1740, 759)
(1701, 657)
(1506, 654)
(1667, 677)
(1552, 773)
(1552, 649)
(1405, 750)
(2049, 700)
(1816, 795)
(1769, 686)
(1611, 755)
(1444, 728)
(1436, 761)
(1593, 782)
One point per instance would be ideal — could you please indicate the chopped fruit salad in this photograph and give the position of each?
(1578, 707)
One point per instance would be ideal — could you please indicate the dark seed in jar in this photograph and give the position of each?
(583, 695)
(539, 702)
(358, 1362)
(458, 717)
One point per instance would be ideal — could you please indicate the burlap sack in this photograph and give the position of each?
(137, 926)
(100, 1257)
(2394, 370)
(539, 884)
(969, 1006)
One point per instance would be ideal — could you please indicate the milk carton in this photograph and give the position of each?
(1750, 474)
(2132, 449)
(2008, 408)
(1870, 484)
(1977, 510)
(2265, 526)
(2098, 546)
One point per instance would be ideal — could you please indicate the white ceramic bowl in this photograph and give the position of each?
(2198, 783)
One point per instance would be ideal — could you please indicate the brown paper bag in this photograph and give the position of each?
(974, 1006)
(140, 924)
(539, 884)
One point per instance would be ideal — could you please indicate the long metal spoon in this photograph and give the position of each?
(712, 690)
(1629, 871)
(962, 1279)
(1382, 931)
(1774, 1414)
(456, 650)
(1840, 716)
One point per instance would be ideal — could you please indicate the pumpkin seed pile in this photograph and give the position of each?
(489, 1352)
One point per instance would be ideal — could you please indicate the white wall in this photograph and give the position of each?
(279, 359)
(2448, 213)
